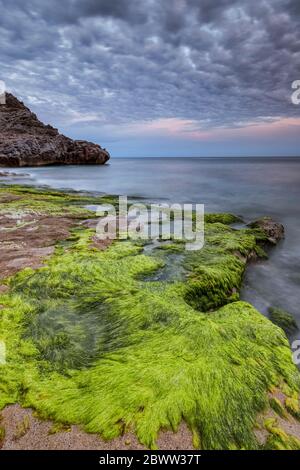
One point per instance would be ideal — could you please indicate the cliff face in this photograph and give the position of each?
(26, 141)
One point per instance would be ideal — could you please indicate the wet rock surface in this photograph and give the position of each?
(273, 230)
(26, 141)
(28, 240)
(24, 431)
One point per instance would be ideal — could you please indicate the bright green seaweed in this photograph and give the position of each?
(92, 339)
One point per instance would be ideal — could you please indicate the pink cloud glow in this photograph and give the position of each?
(191, 130)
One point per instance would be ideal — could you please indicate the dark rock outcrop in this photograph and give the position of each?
(273, 230)
(26, 141)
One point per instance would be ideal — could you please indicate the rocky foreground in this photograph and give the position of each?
(26, 141)
(127, 345)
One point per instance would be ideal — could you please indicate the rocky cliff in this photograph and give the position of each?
(26, 141)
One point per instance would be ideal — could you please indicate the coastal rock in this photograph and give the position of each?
(283, 319)
(273, 230)
(26, 141)
(9, 174)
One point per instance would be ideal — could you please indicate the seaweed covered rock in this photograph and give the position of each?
(90, 339)
(225, 218)
(26, 141)
(274, 231)
(283, 319)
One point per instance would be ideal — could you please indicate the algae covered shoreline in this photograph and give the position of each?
(94, 339)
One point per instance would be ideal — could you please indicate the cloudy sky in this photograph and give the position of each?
(159, 77)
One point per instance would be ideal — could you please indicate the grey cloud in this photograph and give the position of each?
(294, 7)
(71, 11)
(112, 62)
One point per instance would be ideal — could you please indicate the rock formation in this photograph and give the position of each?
(273, 230)
(26, 141)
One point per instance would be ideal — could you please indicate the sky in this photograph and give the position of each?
(159, 77)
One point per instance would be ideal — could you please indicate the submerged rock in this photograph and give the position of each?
(26, 141)
(283, 319)
(273, 230)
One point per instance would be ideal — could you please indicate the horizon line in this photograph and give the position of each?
(294, 157)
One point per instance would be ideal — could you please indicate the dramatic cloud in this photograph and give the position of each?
(119, 70)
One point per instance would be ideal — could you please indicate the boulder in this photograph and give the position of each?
(274, 231)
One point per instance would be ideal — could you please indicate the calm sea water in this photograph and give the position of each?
(248, 187)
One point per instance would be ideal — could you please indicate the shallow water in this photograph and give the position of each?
(248, 187)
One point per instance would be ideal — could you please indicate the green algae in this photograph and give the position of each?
(2, 435)
(278, 439)
(49, 202)
(283, 319)
(277, 406)
(225, 219)
(292, 405)
(22, 427)
(216, 271)
(89, 341)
